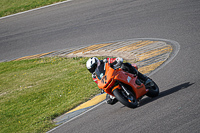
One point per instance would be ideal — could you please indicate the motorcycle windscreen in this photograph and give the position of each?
(100, 71)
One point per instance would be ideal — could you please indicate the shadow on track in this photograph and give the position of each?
(165, 93)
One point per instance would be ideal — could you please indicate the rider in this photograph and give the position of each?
(94, 62)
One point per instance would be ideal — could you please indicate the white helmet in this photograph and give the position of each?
(92, 64)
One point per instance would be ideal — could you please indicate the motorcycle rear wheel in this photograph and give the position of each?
(153, 90)
(129, 101)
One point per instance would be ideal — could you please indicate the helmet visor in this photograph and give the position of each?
(92, 69)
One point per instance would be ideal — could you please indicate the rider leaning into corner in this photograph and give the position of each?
(94, 62)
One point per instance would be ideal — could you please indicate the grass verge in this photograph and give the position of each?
(14, 6)
(33, 92)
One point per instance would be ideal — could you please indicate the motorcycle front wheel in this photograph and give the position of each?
(127, 100)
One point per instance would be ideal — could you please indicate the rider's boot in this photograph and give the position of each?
(110, 99)
(147, 81)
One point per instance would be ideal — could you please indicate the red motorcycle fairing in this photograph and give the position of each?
(108, 79)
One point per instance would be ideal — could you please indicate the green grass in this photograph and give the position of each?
(14, 6)
(34, 92)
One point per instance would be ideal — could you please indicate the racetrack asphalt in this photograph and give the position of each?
(82, 22)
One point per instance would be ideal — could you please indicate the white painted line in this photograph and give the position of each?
(35, 9)
(76, 117)
(176, 49)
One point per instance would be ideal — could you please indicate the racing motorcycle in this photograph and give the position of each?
(124, 86)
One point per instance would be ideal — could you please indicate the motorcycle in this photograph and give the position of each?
(124, 86)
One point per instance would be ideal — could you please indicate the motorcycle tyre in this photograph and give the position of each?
(110, 101)
(120, 97)
(153, 91)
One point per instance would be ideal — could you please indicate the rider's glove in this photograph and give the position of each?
(105, 60)
(93, 75)
(119, 62)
